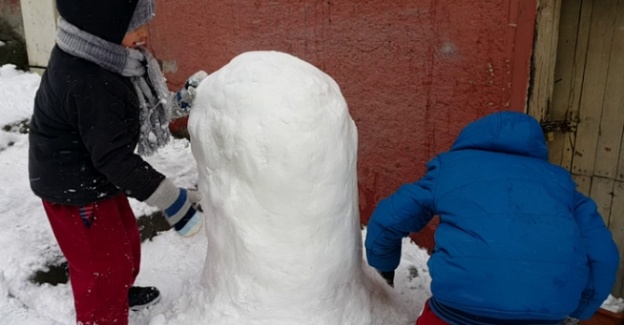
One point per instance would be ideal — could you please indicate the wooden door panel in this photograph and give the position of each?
(587, 102)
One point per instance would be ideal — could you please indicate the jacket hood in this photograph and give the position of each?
(508, 132)
(107, 19)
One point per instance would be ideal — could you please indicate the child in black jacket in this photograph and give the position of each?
(101, 95)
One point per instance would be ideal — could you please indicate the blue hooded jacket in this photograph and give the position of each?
(516, 242)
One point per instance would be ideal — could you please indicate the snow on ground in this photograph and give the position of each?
(171, 263)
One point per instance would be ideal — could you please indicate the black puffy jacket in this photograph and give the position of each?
(85, 124)
(84, 130)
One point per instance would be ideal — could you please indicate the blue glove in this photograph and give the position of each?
(183, 99)
(180, 207)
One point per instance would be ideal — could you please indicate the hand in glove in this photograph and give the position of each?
(388, 276)
(183, 99)
(179, 206)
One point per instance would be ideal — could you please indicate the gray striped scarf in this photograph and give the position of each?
(138, 65)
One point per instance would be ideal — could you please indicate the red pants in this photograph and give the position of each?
(428, 317)
(103, 249)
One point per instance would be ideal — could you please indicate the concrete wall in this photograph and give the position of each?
(414, 72)
(35, 22)
(39, 18)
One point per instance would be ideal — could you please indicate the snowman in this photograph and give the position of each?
(276, 152)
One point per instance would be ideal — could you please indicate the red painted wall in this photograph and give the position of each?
(413, 72)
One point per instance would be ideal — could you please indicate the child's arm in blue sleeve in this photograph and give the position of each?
(602, 256)
(409, 209)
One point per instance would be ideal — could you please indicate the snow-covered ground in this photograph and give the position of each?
(171, 263)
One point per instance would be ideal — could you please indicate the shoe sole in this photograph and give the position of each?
(140, 307)
(196, 228)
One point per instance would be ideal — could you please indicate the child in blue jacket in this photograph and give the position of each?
(516, 243)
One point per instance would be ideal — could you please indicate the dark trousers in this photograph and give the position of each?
(103, 249)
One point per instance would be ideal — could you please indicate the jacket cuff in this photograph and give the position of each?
(164, 196)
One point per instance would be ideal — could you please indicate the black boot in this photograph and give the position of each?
(142, 297)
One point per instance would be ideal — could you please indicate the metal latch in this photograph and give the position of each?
(550, 127)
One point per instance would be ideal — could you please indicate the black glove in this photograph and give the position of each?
(388, 276)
